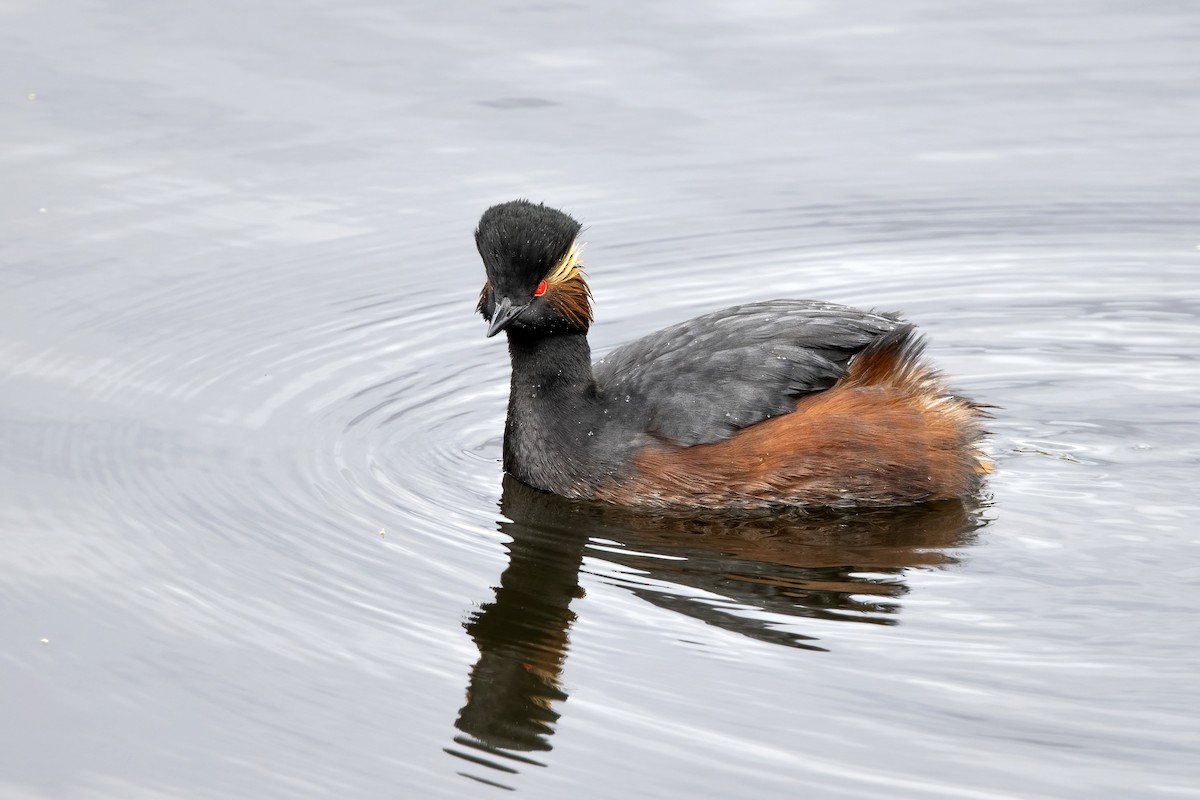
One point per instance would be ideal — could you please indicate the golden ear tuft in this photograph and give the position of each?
(569, 266)
(567, 290)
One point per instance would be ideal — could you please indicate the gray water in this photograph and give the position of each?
(256, 542)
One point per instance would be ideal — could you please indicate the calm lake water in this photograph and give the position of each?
(256, 540)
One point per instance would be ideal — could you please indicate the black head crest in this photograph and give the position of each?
(521, 242)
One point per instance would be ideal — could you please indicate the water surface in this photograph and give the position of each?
(256, 537)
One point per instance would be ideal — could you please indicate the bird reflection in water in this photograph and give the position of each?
(738, 571)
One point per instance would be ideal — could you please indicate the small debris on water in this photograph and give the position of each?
(1048, 454)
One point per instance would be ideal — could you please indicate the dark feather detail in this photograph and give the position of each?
(481, 306)
(702, 380)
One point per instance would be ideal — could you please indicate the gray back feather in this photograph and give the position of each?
(702, 380)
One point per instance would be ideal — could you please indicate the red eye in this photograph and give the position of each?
(540, 290)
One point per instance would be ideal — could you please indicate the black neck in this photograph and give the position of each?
(559, 363)
(552, 407)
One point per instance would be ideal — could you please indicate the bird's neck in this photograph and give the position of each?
(552, 410)
(563, 361)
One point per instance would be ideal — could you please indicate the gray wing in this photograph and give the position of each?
(702, 380)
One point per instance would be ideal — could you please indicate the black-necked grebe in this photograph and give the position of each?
(783, 402)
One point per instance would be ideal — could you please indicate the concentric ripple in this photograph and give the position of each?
(301, 456)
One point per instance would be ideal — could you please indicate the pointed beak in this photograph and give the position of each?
(505, 313)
